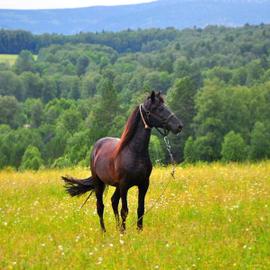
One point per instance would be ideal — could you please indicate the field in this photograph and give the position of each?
(8, 58)
(211, 217)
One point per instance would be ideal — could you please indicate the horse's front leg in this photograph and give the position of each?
(124, 210)
(141, 197)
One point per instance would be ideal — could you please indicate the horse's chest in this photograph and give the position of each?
(139, 168)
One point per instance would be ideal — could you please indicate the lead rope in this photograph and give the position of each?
(169, 149)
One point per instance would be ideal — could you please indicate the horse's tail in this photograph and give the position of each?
(77, 187)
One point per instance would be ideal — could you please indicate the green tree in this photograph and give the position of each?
(89, 84)
(49, 89)
(25, 62)
(157, 153)
(181, 100)
(11, 85)
(203, 148)
(77, 147)
(70, 119)
(189, 153)
(259, 142)
(31, 159)
(233, 147)
(102, 117)
(10, 111)
(33, 108)
(33, 85)
(82, 65)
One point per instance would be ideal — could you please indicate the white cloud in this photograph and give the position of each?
(37, 4)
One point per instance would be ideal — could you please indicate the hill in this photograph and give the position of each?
(159, 14)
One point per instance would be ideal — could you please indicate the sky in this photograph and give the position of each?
(48, 4)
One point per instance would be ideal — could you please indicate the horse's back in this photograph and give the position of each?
(102, 160)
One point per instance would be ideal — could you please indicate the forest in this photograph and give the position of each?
(65, 92)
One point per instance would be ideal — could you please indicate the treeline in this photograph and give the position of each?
(12, 42)
(55, 105)
(250, 39)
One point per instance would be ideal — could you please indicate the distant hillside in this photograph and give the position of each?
(162, 13)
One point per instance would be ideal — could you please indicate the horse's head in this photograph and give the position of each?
(155, 114)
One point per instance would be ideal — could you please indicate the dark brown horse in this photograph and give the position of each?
(125, 162)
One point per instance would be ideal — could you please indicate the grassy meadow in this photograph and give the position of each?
(8, 58)
(211, 217)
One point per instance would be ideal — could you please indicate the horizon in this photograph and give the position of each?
(67, 4)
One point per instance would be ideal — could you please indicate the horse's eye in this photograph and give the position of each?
(160, 109)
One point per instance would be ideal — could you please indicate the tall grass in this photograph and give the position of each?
(211, 217)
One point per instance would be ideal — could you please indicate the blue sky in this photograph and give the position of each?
(37, 4)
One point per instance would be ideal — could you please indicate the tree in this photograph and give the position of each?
(233, 147)
(70, 119)
(189, 153)
(25, 62)
(11, 85)
(203, 148)
(33, 109)
(157, 153)
(31, 159)
(89, 85)
(82, 65)
(68, 87)
(181, 100)
(259, 142)
(77, 147)
(33, 85)
(158, 81)
(104, 112)
(10, 111)
(49, 89)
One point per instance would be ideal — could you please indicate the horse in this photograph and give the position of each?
(125, 162)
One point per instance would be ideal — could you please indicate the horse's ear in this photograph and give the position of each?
(153, 95)
(158, 94)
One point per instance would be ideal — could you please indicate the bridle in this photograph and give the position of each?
(164, 122)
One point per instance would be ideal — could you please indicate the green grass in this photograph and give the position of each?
(211, 217)
(8, 58)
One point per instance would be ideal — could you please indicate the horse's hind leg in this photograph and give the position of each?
(115, 201)
(99, 189)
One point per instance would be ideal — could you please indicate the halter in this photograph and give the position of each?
(164, 122)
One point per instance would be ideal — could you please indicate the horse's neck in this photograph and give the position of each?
(140, 140)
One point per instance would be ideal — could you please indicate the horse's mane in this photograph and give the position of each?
(128, 132)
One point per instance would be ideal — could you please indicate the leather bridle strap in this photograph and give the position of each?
(148, 113)
(146, 126)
